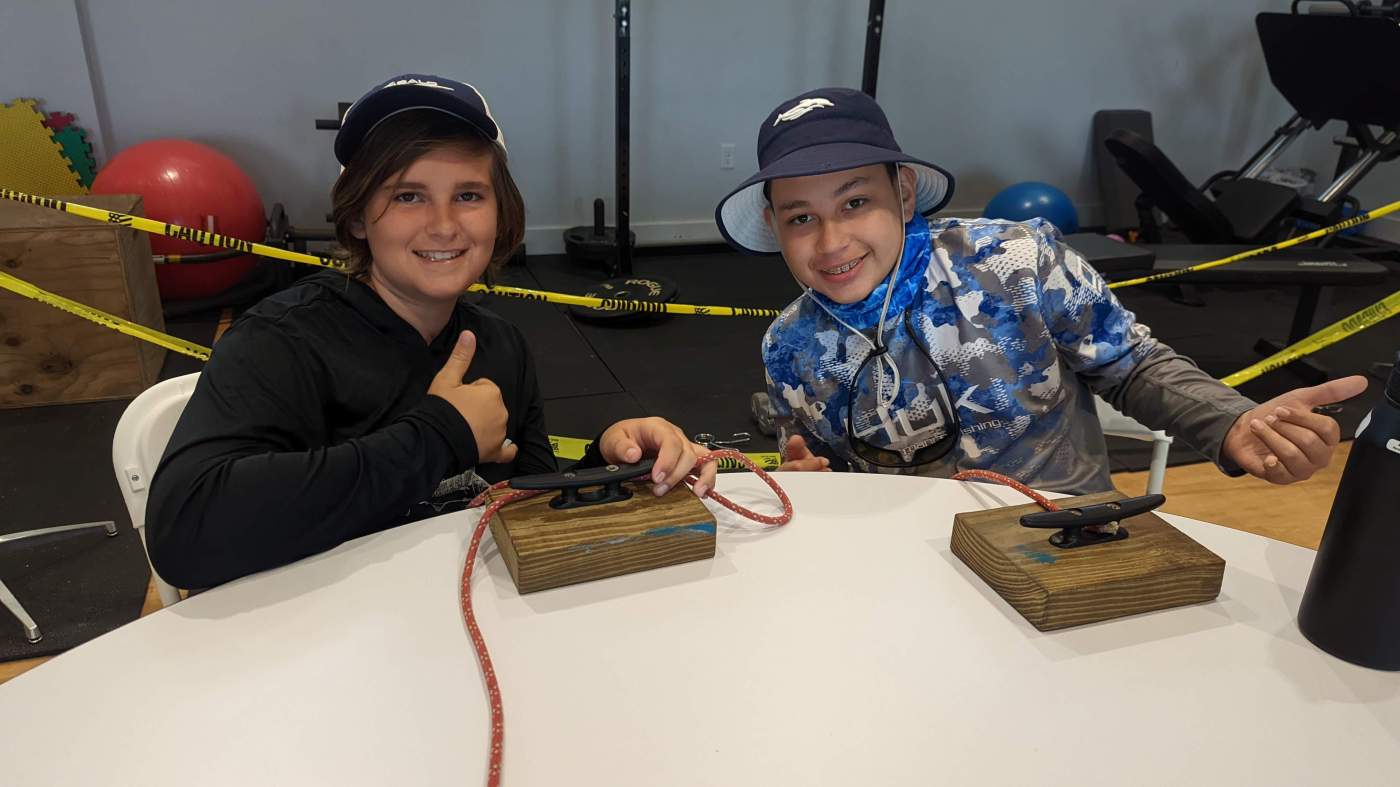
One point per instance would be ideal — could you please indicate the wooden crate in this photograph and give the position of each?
(546, 548)
(1156, 567)
(48, 356)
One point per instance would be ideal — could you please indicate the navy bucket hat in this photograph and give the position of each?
(821, 131)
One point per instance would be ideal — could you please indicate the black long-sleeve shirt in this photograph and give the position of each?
(311, 425)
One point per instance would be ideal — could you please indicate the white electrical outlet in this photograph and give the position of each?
(726, 155)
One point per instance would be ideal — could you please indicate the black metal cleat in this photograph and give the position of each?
(1093, 524)
(608, 480)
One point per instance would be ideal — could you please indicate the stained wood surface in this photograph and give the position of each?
(1156, 567)
(546, 547)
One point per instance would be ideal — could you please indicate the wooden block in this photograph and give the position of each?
(546, 548)
(1156, 567)
(48, 356)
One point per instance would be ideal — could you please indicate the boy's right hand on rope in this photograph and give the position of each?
(797, 456)
(478, 401)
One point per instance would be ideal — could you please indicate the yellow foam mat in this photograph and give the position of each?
(30, 159)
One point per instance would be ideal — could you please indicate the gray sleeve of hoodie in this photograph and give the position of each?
(1141, 377)
(1167, 391)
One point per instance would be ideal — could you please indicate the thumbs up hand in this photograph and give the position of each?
(479, 402)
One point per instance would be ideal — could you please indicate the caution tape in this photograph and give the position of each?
(27, 290)
(1360, 218)
(1371, 315)
(563, 447)
(573, 448)
(214, 239)
(569, 447)
(202, 237)
(620, 304)
(601, 304)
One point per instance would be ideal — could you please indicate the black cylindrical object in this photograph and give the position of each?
(622, 69)
(1351, 607)
(874, 29)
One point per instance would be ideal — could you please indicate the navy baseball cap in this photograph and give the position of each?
(414, 91)
(821, 131)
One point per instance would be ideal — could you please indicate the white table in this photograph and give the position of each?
(850, 648)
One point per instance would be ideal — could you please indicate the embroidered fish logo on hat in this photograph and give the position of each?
(803, 107)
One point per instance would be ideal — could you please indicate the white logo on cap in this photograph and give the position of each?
(420, 82)
(803, 107)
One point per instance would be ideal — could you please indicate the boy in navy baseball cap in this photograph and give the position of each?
(934, 346)
(359, 400)
(410, 92)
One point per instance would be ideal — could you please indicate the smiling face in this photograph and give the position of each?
(425, 205)
(431, 228)
(841, 232)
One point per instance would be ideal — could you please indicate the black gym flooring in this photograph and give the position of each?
(696, 371)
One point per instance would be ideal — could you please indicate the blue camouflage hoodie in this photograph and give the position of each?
(1023, 331)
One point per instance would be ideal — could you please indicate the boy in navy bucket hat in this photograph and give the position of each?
(934, 346)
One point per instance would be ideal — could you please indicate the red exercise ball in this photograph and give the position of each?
(191, 185)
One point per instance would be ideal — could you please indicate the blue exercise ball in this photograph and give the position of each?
(1032, 199)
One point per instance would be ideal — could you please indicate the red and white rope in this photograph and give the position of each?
(483, 656)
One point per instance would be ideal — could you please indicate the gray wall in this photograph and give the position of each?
(996, 92)
(41, 56)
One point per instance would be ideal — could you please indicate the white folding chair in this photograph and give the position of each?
(142, 434)
(1119, 425)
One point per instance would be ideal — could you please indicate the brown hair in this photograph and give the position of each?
(391, 148)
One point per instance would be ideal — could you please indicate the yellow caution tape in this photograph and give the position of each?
(569, 447)
(766, 461)
(602, 304)
(238, 244)
(203, 237)
(24, 288)
(563, 447)
(1377, 312)
(1360, 218)
(619, 304)
(574, 449)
